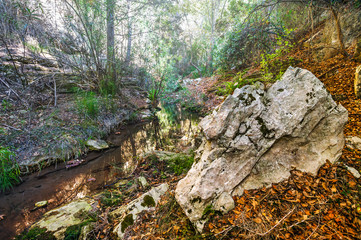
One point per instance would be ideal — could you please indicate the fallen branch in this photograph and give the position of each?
(12, 90)
(17, 129)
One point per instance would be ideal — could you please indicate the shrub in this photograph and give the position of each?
(88, 104)
(9, 169)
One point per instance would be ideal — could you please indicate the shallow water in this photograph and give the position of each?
(59, 185)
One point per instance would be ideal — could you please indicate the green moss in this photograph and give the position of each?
(207, 210)
(148, 201)
(111, 198)
(128, 221)
(180, 163)
(73, 232)
(36, 234)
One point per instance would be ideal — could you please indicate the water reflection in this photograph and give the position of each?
(171, 131)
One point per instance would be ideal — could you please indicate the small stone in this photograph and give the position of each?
(143, 182)
(353, 171)
(357, 83)
(97, 145)
(353, 142)
(41, 204)
(121, 183)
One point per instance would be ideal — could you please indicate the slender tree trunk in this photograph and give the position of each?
(339, 32)
(213, 22)
(129, 47)
(110, 40)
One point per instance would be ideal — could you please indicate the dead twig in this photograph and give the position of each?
(17, 129)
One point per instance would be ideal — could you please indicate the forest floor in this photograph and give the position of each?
(326, 206)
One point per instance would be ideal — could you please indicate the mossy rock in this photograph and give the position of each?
(128, 221)
(148, 201)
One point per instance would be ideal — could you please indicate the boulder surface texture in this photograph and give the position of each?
(257, 136)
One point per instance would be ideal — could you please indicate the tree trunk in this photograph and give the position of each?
(129, 47)
(339, 32)
(110, 40)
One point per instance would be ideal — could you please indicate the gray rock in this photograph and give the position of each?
(97, 145)
(59, 219)
(128, 214)
(257, 136)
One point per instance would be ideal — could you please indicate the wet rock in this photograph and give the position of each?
(128, 214)
(41, 204)
(357, 82)
(96, 145)
(257, 136)
(59, 219)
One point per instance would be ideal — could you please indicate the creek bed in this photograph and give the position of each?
(59, 185)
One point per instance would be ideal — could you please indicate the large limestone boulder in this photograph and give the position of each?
(256, 137)
(357, 82)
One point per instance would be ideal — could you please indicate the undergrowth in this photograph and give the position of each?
(36, 234)
(9, 169)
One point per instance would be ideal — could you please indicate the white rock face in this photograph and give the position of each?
(256, 137)
(128, 214)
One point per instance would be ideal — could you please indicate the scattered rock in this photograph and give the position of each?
(143, 182)
(121, 183)
(353, 142)
(257, 136)
(128, 214)
(145, 114)
(41, 204)
(59, 219)
(357, 82)
(353, 171)
(96, 145)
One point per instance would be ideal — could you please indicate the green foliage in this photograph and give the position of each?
(180, 163)
(111, 198)
(238, 81)
(88, 104)
(107, 87)
(273, 64)
(9, 169)
(36, 234)
(5, 104)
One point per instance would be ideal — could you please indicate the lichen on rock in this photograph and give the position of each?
(257, 136)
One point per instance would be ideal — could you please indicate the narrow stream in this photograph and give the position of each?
(59, 185)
